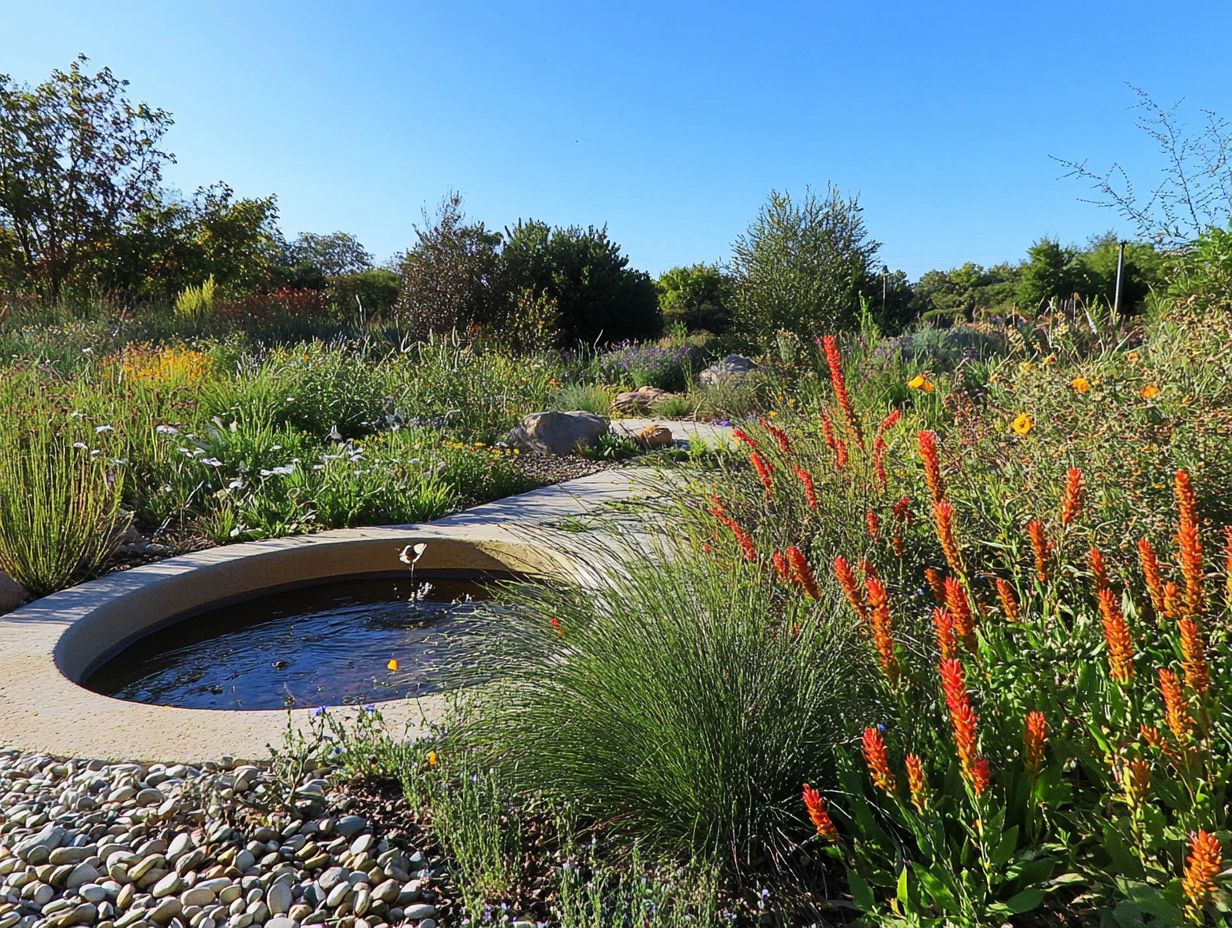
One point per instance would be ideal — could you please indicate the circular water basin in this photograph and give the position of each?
(344, 642)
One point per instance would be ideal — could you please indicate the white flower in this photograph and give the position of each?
(167, 430)
(236, 484)
(99, 429)
(80, 445)
(212, 462)
(76, 415)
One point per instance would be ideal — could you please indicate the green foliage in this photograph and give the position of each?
(312, 259)
(371, 293)
(1204, 272)
(802, 266)
(599, 298)
(586, 397)
(80, 162)
(196, 302)
(60, 517)
(675, 702)
(698, 296)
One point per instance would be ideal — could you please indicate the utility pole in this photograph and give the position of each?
(1116, 300)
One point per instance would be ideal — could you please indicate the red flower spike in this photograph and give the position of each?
(877, 761)
(1071, 501)
(835, 362)
(819, 814)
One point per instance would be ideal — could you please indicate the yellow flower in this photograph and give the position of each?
(1080, 384)
(432, 758)
(1022, 424)
(393, 663)
(921, 382)
(772, 414)
(1050, 360)
(1150, 391)
(1025, 365)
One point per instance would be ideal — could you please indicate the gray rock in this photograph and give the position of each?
(419, 910)
(12, 594)
(82, 874)
(350, 825)
(735, 366)
(558, 432)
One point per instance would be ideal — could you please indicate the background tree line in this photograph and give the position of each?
(84, 210)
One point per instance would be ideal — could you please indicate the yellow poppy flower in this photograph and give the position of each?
(921, 382)
(393, 663)
(1150, 391)
(1022, 424)
(1080, 384)
(432, 758)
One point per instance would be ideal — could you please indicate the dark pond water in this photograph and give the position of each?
(324, 645)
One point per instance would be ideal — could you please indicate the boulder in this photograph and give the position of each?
(655, 436)
(558, 432)
(734, 365)
(632, 402)
(11, 593)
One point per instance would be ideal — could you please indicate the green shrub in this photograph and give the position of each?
(1204, 272)
(583, 396)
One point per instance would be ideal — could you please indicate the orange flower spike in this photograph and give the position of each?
(1117, 637)
(764, 471)
(1071, 502)
(1136, 781)
(1009, 605)
(1172, 600)
(835, 362)
(803, 572)
(840, 454)
(981, 776)
(943, 512)
(1227, 565)
(963, 719)
(878, 762)
(1035, 739)
(890, 421)
(868, 569)
(1099, 570)
(1150, 572)
(1189, 543)
(959, 606)
(873, 524)
(1193, 656)
(850, 586)
(932, 465)
(781, 567)
(917, 782)
(806, 482)
(883, 635)
(879, 452)
(742, 436)
(943, 627)
(1041, 547)
(819, 814)
(1201, 870)
(827, 430)
(901, 515)
(1179, 720)
(783, 439)
(936, 584)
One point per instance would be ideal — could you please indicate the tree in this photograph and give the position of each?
(802, 266)
(699, 295)
(311, 259)
(450, 275)
(1194, 193)
(597, 296)
(77, 162)
(1051, 272)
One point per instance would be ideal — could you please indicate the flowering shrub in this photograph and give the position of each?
(648, 365)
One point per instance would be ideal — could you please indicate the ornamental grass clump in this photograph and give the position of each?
(60, 501)
(682, 702)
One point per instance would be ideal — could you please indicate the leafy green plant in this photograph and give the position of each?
(196, 302)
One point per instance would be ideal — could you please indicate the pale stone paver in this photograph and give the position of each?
(714, 435)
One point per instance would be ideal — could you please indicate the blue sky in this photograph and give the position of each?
(667, 121)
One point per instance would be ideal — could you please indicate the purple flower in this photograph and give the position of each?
(318, 712)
